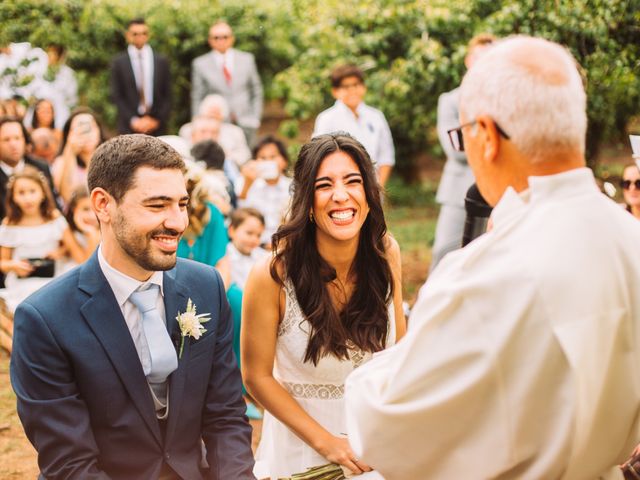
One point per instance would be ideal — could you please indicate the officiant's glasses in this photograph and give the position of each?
(455, 135)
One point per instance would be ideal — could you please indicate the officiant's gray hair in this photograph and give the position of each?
(541, 106)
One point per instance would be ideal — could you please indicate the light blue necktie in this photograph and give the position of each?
(162, 352)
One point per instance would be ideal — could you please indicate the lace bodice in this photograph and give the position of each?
(303, 379)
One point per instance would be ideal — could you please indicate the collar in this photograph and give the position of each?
(124, 285)
(578, 181)
(134, 52)
(226, 56)
(359, 110)
(11, 170)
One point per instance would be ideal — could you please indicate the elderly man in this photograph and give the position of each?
(230, 137)
(522, 353)
(232, 74)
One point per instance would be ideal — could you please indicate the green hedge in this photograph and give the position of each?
(412, 50)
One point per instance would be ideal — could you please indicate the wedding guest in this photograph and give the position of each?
(207, 128)
(220, 190)
(244, 251)
(521, 346)
(205, 239)
(230, 137)
(33, 234)
(457, 176)
(115, 375)
(81, 136)
(45, 145)
(264, 184)
(83, 223)
(231, 73)
(14, 140)
(44, 117)
(328, 299)
(631, 188)
(350, 114)
(141, 84)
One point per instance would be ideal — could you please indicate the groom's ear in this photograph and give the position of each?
(103, 204)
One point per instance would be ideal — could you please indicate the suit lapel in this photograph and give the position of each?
(105, 319)
(175, 301)
(131, 77)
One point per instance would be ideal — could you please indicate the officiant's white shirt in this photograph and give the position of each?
(523, 353)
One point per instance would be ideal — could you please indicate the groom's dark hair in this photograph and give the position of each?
(114, 163)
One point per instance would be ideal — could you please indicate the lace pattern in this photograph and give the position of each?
(310, 390)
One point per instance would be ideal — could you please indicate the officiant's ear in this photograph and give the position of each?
(102, 204)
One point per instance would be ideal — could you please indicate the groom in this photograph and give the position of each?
(102, 391)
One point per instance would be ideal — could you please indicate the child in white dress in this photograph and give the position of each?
(34, 236)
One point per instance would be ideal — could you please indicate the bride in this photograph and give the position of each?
(328, 299)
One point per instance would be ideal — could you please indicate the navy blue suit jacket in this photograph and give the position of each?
(85, 403)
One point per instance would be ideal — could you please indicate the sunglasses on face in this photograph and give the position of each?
(626, 184)
(457, 140)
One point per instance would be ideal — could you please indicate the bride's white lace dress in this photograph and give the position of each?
(318, 389)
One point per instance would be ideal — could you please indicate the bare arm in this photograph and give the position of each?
(384, 172)
(22, 268)
(76, 252)
(395, 262)
(262, 311)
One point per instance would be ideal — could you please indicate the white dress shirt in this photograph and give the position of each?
(9, 170)
(224, 59)
(123, 286)
(522, 355)
(369, 127)
(147, 71)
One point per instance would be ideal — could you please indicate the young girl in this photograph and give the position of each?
(33, 236)
(84, 225)
(245, 231)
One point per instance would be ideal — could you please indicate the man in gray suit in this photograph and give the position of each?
(457, 176)
(232, 74)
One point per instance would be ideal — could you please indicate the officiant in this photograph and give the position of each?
(522, 352)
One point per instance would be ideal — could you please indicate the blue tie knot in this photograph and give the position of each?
(145, 300)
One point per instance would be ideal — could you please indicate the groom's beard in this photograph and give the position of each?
(140, 247)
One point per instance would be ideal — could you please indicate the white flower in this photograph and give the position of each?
(191, 324)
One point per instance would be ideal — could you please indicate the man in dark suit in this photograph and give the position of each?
(141, 84)
(231, 73)
(13, 155)
(111, 385)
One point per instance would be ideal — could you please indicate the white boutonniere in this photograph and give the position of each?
(191, 324)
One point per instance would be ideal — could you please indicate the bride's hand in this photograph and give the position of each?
(337, 450)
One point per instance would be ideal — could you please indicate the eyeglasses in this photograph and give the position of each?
(457, 141)
(349, 86)
(626, 184)
(219, 37)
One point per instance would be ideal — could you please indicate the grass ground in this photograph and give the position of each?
(411, 219)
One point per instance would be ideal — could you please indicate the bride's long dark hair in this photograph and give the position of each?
(364, 319)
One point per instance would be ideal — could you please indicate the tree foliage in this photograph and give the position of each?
(411, 50)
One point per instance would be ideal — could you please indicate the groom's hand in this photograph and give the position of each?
(337, 450)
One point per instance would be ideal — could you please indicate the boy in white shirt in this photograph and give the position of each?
(350, 114)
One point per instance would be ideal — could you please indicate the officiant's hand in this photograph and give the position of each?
(337, 450)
